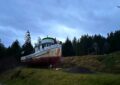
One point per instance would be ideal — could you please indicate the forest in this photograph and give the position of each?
(95, 45)
(85, 45)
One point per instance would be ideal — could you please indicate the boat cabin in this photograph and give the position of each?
(45, 43)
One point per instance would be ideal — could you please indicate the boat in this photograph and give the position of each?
(48, 51)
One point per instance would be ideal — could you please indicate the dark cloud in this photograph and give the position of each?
(57, 18)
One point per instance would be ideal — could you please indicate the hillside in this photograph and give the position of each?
(32, 76)
(109, 63)
(105, 68)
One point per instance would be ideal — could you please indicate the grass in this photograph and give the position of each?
(32, 76)
(106, 67)
(109, 63)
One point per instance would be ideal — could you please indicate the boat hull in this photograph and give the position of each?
(44, 61)
(50, 56)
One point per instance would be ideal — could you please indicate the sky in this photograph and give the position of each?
(57, 18)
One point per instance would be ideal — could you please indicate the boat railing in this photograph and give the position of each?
(42, 51)
(52, 46)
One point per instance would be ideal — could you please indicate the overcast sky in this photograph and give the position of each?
(57, 18)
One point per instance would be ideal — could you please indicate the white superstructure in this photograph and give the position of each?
(45, 48)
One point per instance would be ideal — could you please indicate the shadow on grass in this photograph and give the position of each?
(79, 70)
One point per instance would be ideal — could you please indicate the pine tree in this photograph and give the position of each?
(85, 45)
(15, 50)
(78, 48)
(99, 40)
(68, 48)
(106, 47)
(114, 41)
(27, 47)
(74, 43)
(2, 50)
(96, 48)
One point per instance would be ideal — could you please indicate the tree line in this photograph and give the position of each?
(10, 56)
(15, 49)
(95, 44)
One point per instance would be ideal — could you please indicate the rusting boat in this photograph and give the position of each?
(48, 51)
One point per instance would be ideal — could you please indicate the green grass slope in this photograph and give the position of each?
(106, 67)
(109, 63)
(32, 76)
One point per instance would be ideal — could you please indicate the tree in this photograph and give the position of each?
(85, 45)
(67, 48)
(74, 43)
(78, 48)
(96, 48)
(15, 50)
(99, 41)
(2, 50)
(106, 47)
(114, 41)
(27, 47)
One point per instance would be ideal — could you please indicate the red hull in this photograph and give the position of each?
(44, 61)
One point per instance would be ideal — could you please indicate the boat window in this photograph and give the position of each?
(43, 46)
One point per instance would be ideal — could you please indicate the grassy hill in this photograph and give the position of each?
(32, 76)
(106, 70)
(109, 63)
